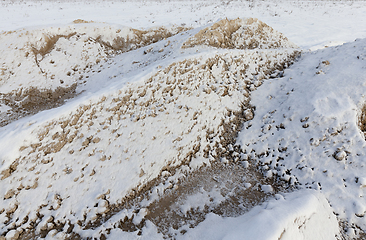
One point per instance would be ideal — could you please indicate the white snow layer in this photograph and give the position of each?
(299, 215)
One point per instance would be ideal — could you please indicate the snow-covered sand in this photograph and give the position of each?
(160, 107)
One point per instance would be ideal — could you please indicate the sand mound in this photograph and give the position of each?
(246, 33)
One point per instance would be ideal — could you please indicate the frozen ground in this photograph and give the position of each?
(114, 127)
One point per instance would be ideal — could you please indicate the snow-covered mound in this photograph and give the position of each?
(50, 57)
(69, 166)
(121, 136)
(248, 33)
(299, 215)
(308, 127)
(43, 66)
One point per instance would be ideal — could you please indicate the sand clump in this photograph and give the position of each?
(362, 120)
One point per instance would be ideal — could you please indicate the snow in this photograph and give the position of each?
(299, 215)
(319, 112)
(146, 109)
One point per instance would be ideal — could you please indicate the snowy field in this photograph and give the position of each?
(182, 119)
